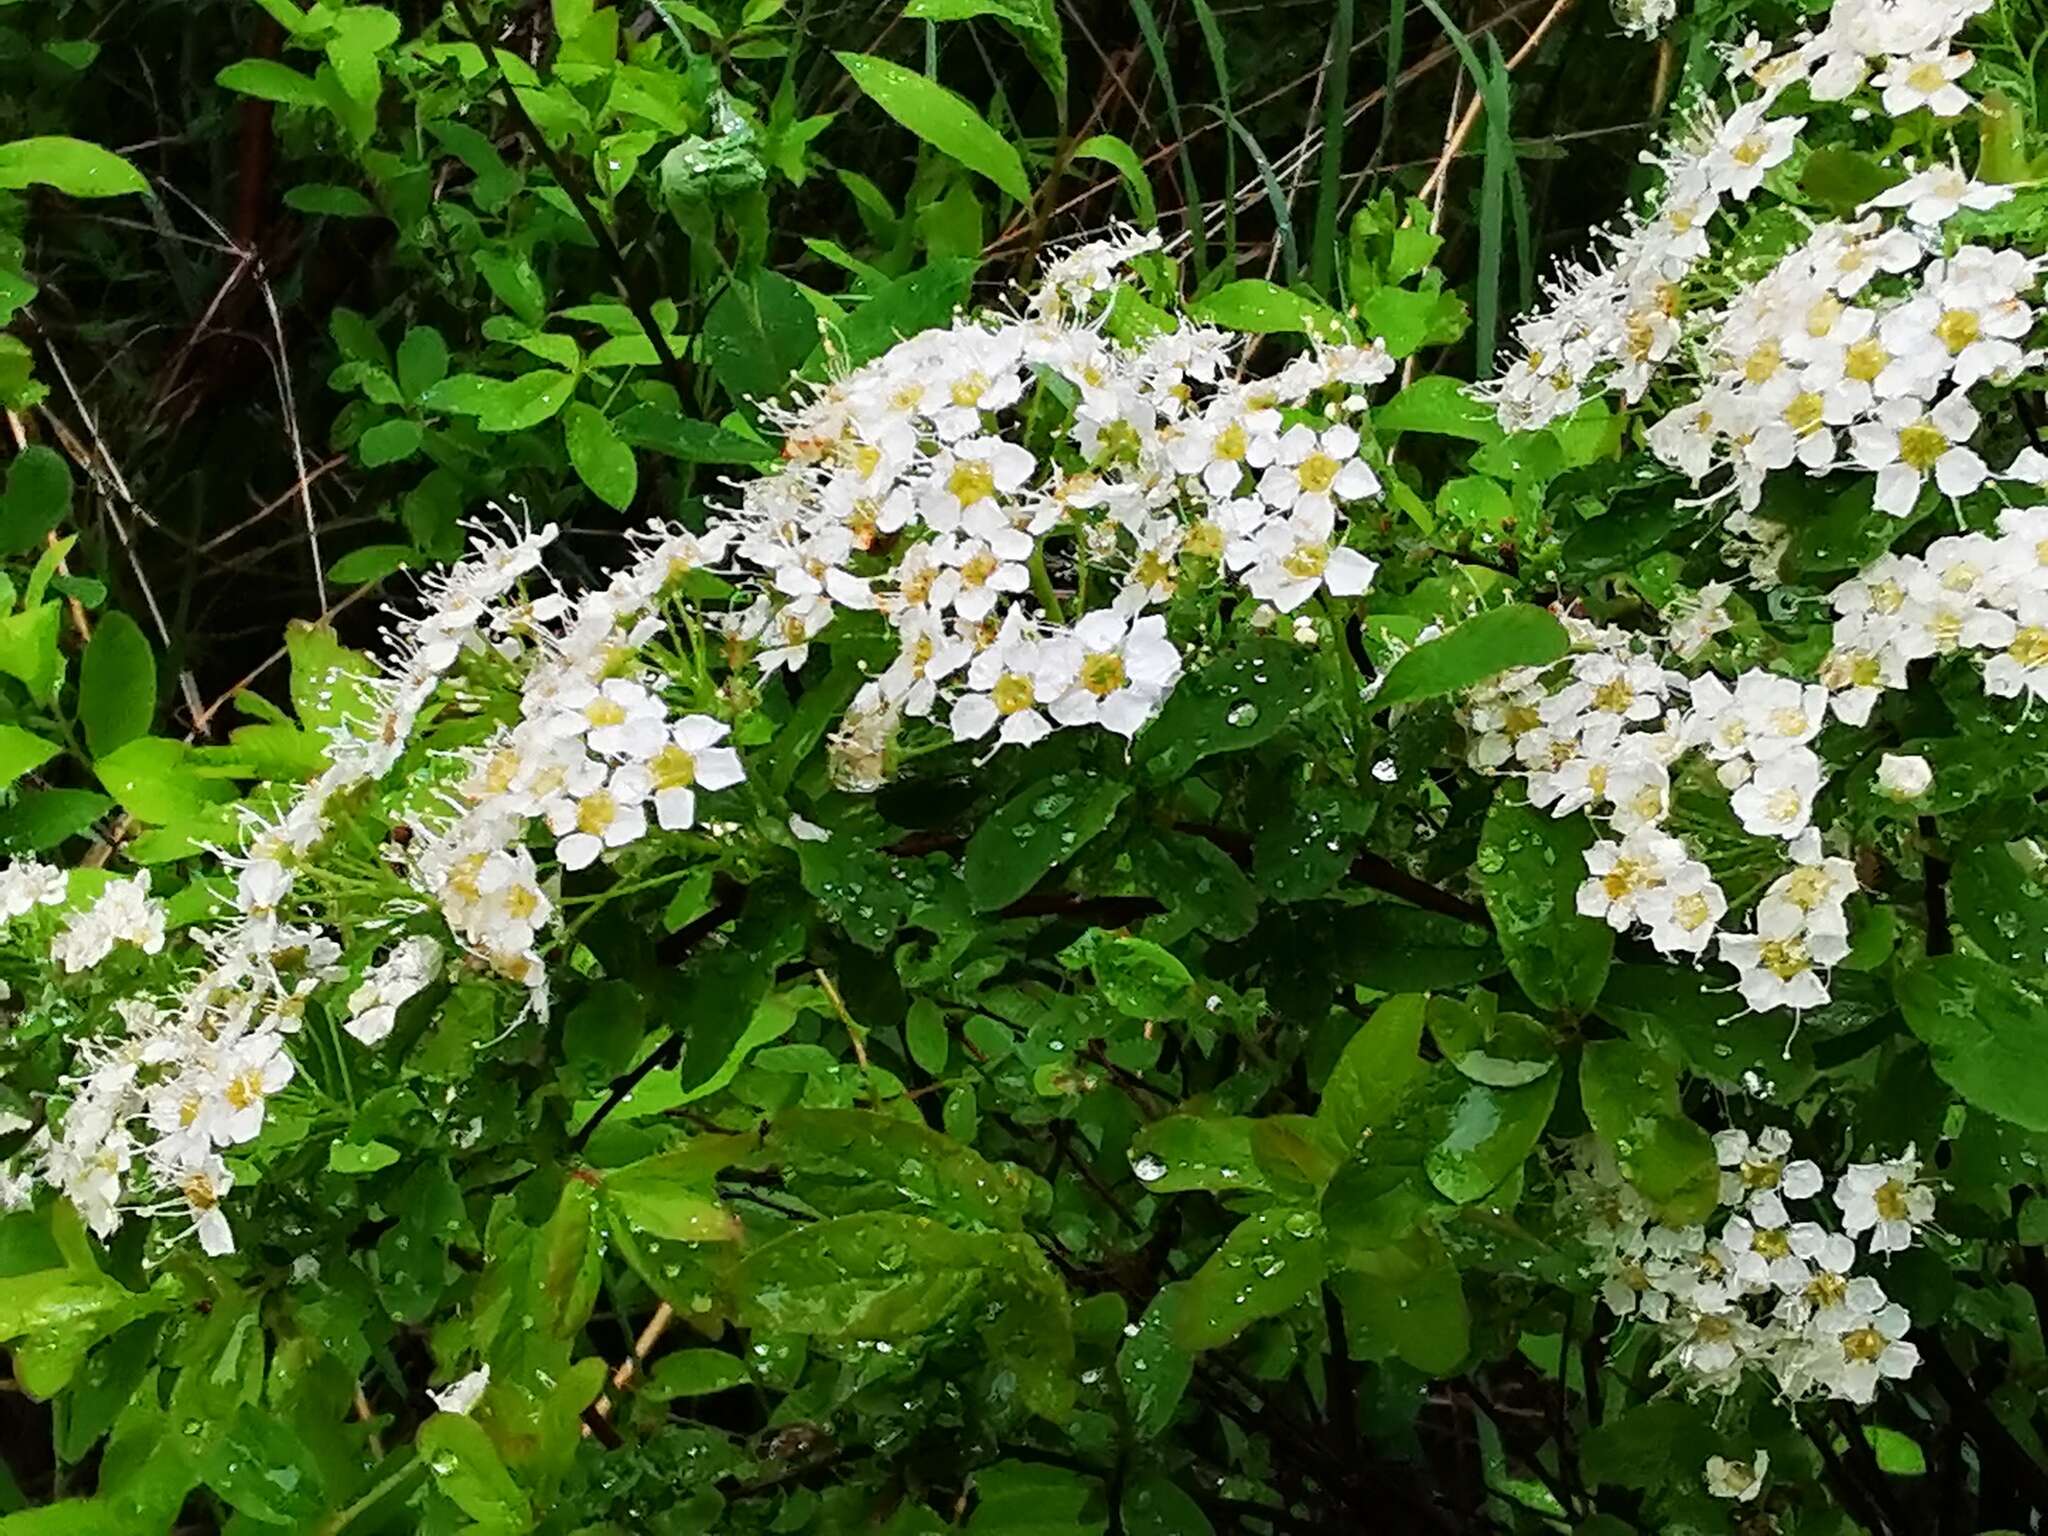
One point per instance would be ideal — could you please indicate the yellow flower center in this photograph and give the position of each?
(521, 902)
(1231, 443)
(596, 812)
(1751, 150)
(1307, 562)
(1615, 696)
(968, 391)
(976, 572)
(1691, 911)
(673, 768)
(1317, 473)
(1763, 362)
(2030, 647)
(1626, 878)
(1957, 328)
(1785, 958)
(1821, 318)
(1771, 1242)
(1921, 444)
(1926, 77)
(602, 711)
(1805, 412)
(200, 1193)
(1890, 1200)
(1102, 673)
(1827, 1289)
(1862, 1346)
(1154, 570)
(244, 1089)
(1013, 693)
(972, 480)
(1865, 360)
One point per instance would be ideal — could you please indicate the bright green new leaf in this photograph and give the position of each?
(71, 166)
(1987, 1029)
(116, 684)
(602, 462)
(1253, 304)
(37, 498)
(942, 119)
(1488, 643)
(22, 752)
(467, 1467)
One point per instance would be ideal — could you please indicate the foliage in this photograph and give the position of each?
(1126, 908)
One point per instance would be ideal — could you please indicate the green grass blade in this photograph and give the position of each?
(1336, 96)
(1397, 26)
(1191, 193)
(1499, 157)
(1212, 38)
(1290, 256)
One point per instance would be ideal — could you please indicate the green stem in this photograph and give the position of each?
(1041, 583)
(341, 1519)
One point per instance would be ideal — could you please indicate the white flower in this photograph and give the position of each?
(1311, 472)
(124, 914)
(1906, 776)
(1887, 1200)
(1907, 442)
(252, 1069)
(594, 813)
(1296, 558)
(1862, 1343)
(1763, 1166)
(2022, 667)
(1782, 970)
(1937, 194)
(203, 1186)
(1621, 875)
(463, 1395)
(1119, 669)
(617, 718)
(1777, 800)
(1010, 683)
(26, 884)
(1926, 79)
(409, 969)
(1741, 1481)
(691, 759)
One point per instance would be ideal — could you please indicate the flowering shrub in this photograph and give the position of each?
(1147, 922)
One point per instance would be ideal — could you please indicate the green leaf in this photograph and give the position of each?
(1408, 321)
(373, 562)
(467, 1468)
(1154, 1371)
(37, 498)
(327, 677)
(71, 166)
(696, 1373)
(1492, 1132)
(1986, 1029)
(757, 334)
(1845, 179)
(1485, 644)
(1035, 22)
(1185, 1152)
(1242, 698)
(333, 201)
(1137, 977)
(694, 442)
(159, 781)
(942, 119)
(1043, 825)
(22, 752)
(670, 1195)
(116, 684)
(389, 442)
(1268, 1263)
(602, 462)
(914, 302)
(1638, 1447)
(1531, 865)
(924, 1034)
(2001, 902)
(1630, 1095)
(43, 818)
(1501, 1050)
(422, 361)
(1253, 305)
(264, 1470)
(526, 401)
(353, 1157)
(1405, 1302)
(28, 650)
(842, 1161)
(1155, 1505)
(1029, 1498)
(268, 80)
(1377, 1067)
(1898, 1455)
(1111, 150)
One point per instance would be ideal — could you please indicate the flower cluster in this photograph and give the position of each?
(914, 487)
(1022, 580)
(1856, 348)
(1614, 731)
(1762, 1288)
